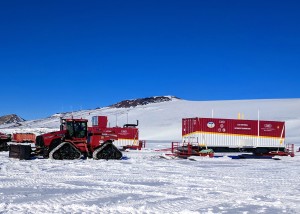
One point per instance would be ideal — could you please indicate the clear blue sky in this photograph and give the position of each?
(64, 55)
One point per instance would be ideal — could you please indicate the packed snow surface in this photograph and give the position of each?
(144, 182)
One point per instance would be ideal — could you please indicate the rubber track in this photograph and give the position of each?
(59, 146)
(103, 146)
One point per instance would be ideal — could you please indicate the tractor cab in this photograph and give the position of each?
(76, 128)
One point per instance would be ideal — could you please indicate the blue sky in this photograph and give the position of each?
(68, 55)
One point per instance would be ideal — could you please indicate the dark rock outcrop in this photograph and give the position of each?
(142, 101)
(11, 118)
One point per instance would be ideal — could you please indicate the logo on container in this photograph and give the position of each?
(211, 125)
(268, 125)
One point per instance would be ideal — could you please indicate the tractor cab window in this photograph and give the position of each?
(70, 129)
(77, 129)
(80, 129)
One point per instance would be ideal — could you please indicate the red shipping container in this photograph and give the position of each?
(23, 137)
(219, 132)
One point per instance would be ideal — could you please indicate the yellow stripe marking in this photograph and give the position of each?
(226, 134)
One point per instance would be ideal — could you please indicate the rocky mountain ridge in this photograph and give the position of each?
(143, 101)
(11, 118)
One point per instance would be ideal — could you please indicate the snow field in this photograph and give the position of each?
(146, 183)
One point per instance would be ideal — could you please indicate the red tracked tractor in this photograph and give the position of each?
(75, 140)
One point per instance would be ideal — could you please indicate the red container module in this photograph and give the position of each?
(128, 135)
(23, 137)
(234, 135)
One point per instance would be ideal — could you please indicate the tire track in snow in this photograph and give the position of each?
(147, 185)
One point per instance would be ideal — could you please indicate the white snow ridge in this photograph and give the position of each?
(145, 183)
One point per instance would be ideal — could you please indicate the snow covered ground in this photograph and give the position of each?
(145, 183)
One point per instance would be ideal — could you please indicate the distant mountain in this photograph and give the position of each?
(11, 118)
(143, 101)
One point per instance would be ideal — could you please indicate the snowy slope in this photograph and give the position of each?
(162, 121)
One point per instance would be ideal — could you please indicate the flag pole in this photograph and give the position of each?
(258, 128)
